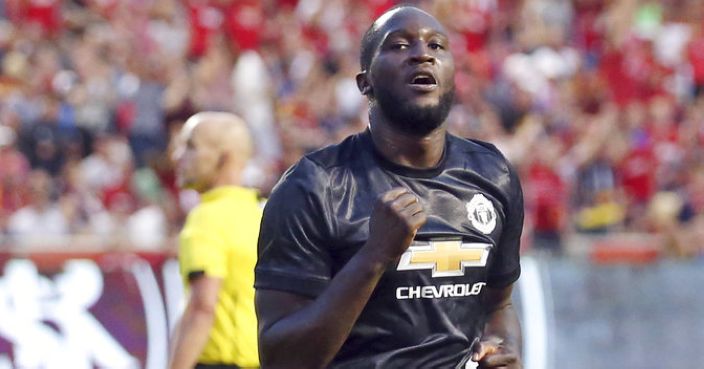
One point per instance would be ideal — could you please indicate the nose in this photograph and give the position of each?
(420, 53)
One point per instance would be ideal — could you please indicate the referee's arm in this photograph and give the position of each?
(191, 334)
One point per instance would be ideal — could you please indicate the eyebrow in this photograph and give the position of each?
(405, 33)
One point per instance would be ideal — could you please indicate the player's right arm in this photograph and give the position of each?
(299, 331)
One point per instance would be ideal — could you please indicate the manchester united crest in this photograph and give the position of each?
(481, 214)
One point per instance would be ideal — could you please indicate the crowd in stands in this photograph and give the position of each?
(599, 104)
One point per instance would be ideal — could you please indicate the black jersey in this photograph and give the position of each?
(426, 310)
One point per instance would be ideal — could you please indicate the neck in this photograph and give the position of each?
(227, 177)
(402, 148)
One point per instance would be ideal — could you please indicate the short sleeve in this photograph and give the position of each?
(201, 249)
(506, 267)
(295, 233)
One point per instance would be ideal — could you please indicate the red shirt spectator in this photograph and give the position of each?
(547, 193)
(45, 13)
(695, 55)
(13, 173)
(632, 72)
(289, 4)
(378, 7)
(637, 174)
(474, 20)
(244, 22)
(205, 21)
(621, 85)
(589, 35)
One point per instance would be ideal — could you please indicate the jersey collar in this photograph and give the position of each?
(403, 170)
(236, 192)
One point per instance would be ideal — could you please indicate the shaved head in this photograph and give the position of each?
(212, 146)
(223, 131)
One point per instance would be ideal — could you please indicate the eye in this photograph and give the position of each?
(399, 46)
(436, 46)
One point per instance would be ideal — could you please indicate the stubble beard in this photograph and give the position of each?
(413, 119)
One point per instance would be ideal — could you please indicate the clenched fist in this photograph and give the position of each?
(395, 219)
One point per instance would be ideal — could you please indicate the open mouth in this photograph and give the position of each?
(423, 81)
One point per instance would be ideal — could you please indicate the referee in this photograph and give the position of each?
(217, 251)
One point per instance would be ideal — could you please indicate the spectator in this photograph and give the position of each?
(13, 173)
(146, 129)
(146, 227)
(93, 90)
(41, 140)
(546, 191)
(42, 219)
(107, 166)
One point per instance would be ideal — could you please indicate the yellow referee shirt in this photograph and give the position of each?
(220, 240)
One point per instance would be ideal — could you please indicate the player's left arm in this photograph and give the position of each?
(500, 345)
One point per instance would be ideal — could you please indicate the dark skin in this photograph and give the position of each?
(299, 332)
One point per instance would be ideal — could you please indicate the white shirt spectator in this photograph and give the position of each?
(37, 224)
(147, 228)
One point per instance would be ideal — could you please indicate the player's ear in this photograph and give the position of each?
(363, 83)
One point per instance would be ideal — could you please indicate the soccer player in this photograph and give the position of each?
(398, 247)
(217, 250)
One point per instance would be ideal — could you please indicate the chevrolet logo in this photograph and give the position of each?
(444, 258)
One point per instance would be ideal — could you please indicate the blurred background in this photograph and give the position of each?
(599, 104)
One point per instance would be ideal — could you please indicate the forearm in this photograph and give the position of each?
(310, 337)
(502, 321)
(190, 338)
